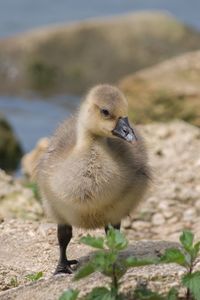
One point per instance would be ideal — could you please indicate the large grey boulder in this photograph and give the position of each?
(167, 91)
(71, 58)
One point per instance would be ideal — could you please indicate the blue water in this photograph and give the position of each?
(21, 15)
(36, 118)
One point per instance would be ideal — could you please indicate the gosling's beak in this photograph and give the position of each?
(124, 130)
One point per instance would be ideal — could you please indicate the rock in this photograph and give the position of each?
(30, 159)
(65, 58)
(140, 225)
(126, 223)
(16, 200)
(167, 91)
(168, 213)
(197, 205)
(189, 214)
(158, 219)
(10, 148)
(173, 220)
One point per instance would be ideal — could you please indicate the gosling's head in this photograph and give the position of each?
(105, 113)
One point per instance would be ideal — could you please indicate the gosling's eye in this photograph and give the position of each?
(105, 112)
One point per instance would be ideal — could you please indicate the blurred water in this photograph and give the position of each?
(22, 15)
(32, 120)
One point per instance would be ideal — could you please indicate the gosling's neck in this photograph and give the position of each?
(85, 138)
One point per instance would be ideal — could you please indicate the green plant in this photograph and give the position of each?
(69, 295)
(108, 261)
(14, 281)
(186, 257)
(35, 276)
(143, 293)
(33, 186)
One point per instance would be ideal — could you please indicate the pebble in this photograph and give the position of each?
(173, 220)
(168, 214)
(140, 225)
(198, 163)
(189, 214)
(158, 219)
(197, 204)
(126, 223)
(163, 205)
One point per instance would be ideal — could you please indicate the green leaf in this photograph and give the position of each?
(143, 293)
(14, 281)
(69, 295)
(119, 269)
(104, 261)
(84, 271)
(195, 250)
(93, 241)
(192, 282)
(186, 240)
(101, 258)
(173, 255)
(135, 262)
(172, 294)
(100, 293)
(35, 276)
(115, 240)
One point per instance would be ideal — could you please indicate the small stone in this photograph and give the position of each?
(198, 163)
(158, 219)
(197, 204)
(168, 214)
(174, 236)
(163, 205)
(140, 225)
(126, 223)
(172, 220)
(189, 214)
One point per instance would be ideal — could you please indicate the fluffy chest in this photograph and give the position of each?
(92, 189)
(93, 176)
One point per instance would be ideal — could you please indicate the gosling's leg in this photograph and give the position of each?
(64, 234)
(116, 226)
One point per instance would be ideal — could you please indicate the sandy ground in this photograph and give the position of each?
(172, 205)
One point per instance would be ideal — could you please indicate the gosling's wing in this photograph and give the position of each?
(60, 145)
(64, 137)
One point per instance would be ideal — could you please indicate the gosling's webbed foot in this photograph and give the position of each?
(65, 267)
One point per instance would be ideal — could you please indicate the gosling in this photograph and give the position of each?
(95, 171)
